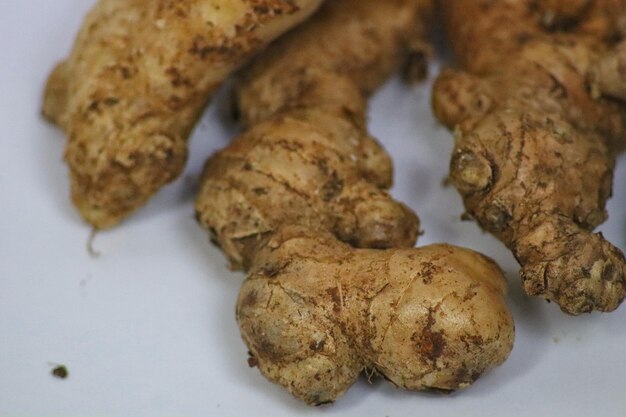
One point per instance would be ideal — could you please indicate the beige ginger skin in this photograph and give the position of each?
(291, 198)
(315, 313)
(607, 75)
(137, 79)
(536, 137)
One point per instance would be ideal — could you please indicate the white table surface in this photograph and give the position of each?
(148, 328)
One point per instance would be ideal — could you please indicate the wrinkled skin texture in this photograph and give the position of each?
(315, 313)
(536, 137)
(135, 83)
(307, 157)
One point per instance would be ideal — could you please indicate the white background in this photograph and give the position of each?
(148, 328)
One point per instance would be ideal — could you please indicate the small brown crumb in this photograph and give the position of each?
(252, 362)
(60, 372)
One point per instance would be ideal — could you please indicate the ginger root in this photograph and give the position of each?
(139, 76)
(315, 312)
(307, 157)
(536, 139)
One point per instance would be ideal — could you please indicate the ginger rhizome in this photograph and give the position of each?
(315, 313)
(536, 136)
(291, 198)
(139, 76)
(307, 157)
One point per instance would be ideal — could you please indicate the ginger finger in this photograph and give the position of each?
(307, 157)
(535, 148)
(290, 171)
(138, 78)
(316, 313)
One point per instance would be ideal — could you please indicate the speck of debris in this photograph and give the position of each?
(252, 362)
(556, 340)
(60, 372)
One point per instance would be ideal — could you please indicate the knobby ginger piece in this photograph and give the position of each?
(316, 313)
(306, 157)
(138, 78)
(536, 137)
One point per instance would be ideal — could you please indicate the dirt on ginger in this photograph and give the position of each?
(536, 136)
